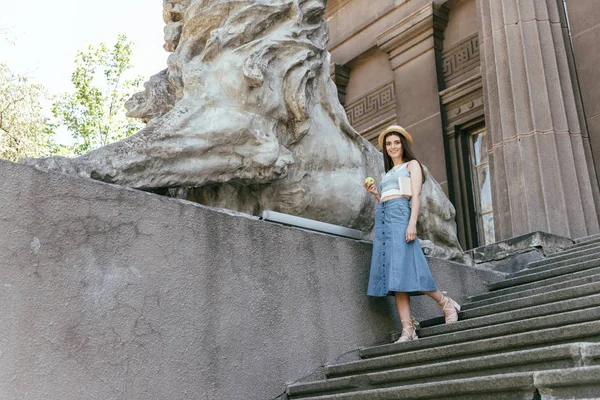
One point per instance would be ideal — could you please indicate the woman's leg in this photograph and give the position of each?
(437, 295)
(449, 306)
(408, 328)
(403, 304)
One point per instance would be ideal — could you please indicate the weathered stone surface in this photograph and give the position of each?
(437, 224)
(111, 293)
(533, 121)
(257, 123)
(564, 384)
(157, 99)
(173, 13)
(246, 117)
(512, 254)
(544, 339)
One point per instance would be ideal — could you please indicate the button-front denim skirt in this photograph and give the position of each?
(397, 266)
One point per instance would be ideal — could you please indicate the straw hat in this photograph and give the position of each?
(397, 129)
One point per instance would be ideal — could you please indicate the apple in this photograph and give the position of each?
(369, 181)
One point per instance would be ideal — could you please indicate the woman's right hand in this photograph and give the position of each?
(371, 188)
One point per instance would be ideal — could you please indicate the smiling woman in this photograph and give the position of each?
(398, 265)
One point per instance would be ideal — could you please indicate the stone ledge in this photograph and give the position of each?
(513, 254)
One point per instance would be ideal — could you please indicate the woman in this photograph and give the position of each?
(398, 265)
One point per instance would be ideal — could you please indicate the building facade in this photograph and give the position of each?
(502, 98)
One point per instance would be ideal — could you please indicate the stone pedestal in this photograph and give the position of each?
(414, 48)
(540, 176)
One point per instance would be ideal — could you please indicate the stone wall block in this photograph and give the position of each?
(423, 97)
(518, 81)
(496, 14)
(573, 172)
(561, 174)
(542, 12)
(588, 183)
(526, 10)
(589, 155)
(510, 11)
(533, 151)
(540, 108)
(550, 55)
(485, 20)
(593, 125)
(565, 73)
(555, 11)
(513, 168)
(588, 71)
(490, 92)
(503, 77)
(500, 196)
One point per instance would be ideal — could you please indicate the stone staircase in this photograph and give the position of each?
(535, 335)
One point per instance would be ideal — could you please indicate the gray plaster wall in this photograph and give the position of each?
(111, 293)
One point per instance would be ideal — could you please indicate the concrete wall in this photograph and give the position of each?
(111, 293)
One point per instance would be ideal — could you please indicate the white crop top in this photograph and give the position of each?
(389, 182)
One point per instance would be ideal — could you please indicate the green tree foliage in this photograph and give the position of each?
(94, 113)
(24, 131)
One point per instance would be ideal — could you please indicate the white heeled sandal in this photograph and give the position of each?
(410, 329)
(450, 308)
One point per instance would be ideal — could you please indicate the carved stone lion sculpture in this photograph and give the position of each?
(245, 117)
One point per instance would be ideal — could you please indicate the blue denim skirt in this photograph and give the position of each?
(397, 266)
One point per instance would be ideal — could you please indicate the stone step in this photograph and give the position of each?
(555, 308)
(515, 386)
(588, 239)
(536, 285)
(524, 301)
(484, 332)
(529, 301)
(549, 263)
(539, 290)
(381, 358)
(543, 275)
(551, 357)
(575, 383)
(593, 246)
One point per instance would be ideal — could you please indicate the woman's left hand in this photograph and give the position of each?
(411, 232)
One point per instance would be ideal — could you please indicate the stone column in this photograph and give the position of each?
(414, 47)
(537, 161)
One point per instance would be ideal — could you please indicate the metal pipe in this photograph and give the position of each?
(318, 226)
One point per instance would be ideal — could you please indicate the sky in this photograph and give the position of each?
(46, 35)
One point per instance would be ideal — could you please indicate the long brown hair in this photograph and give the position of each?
(407, 154)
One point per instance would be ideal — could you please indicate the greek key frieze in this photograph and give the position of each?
(372, 104)
(461, 55)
